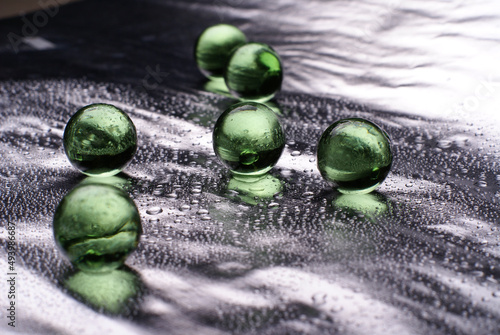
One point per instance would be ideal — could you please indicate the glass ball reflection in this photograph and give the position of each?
(97, 226)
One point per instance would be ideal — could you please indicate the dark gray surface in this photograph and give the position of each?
(419, 256)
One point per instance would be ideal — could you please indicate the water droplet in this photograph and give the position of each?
(185, 207)
(154, 210)
(444, 144)
(482, 183)
(419, 140)
(477, 273)
(319, 299)
(307, 194)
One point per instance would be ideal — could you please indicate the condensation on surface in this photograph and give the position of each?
(419, 256)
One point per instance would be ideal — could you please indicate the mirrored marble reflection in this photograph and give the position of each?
(371, 205)
(120, 181)
(357, 226)
(97, 226)
(218, 86)
(254, 189)
(116, 292)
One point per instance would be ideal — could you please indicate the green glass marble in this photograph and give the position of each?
(248, 138)
(214, 47)
(100, 140)
(254, 72)
(354, 155)
(97, 226)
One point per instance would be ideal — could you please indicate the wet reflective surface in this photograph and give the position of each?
(286, 255)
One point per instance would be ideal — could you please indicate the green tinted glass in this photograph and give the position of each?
(248, 138)
(214, 47)
(100, 140)
(354, 155)
(254, 72)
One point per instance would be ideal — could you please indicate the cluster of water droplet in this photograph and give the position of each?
(430, 235)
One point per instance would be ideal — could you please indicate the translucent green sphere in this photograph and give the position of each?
(100, 140)
(97, 226)
(248, 138)
(214, 47)
(254, 72)
(354, 155)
